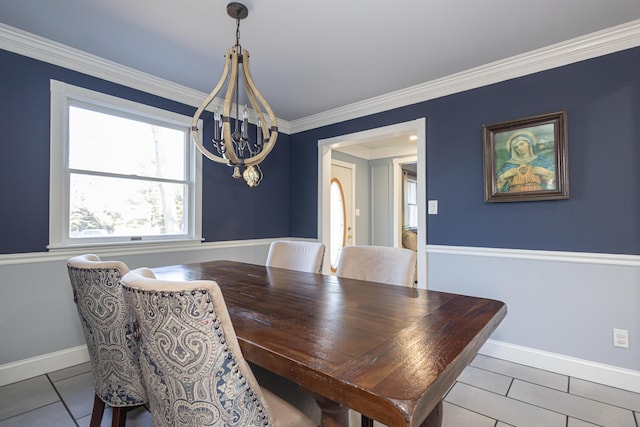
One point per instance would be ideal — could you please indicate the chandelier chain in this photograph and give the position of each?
(238, 28)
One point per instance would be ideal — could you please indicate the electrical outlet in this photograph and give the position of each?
(621, 338)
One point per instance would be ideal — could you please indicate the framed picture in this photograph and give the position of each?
(526, 159)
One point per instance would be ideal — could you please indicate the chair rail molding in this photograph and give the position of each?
(138, 249)
(538, 255)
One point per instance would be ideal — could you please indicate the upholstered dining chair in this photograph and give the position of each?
(394, 266)
(108, 331)
(191, 359)
(295, 255)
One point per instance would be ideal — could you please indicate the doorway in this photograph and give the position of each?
(342, 212)
(325, 147)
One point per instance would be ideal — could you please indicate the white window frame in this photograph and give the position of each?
(62, 96)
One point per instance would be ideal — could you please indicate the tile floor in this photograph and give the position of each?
(490, 392)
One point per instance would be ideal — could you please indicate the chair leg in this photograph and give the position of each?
(97, 412)
(366, 422)
(119, 416)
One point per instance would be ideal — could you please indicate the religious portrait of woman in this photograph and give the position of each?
(526, 159)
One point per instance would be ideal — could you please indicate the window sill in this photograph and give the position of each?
(149, 246)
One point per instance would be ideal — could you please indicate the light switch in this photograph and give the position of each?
(432, 207)
(357, 211)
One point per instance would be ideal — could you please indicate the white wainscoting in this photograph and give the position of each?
(39, 326)
(561, 306)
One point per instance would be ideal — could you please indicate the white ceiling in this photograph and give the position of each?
(311, 57)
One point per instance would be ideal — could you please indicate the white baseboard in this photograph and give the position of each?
(39, 365)
(613, 376)
(591, 371)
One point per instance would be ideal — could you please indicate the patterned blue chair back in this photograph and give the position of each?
(108, 329)
(190, 356)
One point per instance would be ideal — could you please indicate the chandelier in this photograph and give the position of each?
(231, 141)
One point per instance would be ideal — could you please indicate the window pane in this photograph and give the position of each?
(102, 206)
(411, 203)
(412, 193)
(106, 143)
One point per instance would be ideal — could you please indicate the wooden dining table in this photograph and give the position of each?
(388, 352)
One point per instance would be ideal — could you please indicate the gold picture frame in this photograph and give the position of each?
(526, 159)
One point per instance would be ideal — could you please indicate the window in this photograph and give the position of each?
(410, 201)
(120, 171)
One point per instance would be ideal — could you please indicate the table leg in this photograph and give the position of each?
(434, 419)
(333, 414)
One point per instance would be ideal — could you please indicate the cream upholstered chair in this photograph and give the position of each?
(108, 330)
(394, 266)
(300, 256)
(191, 359)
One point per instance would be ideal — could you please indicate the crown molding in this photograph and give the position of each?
(596, 44)
(592, 45)
(27, 44)
(42, 49)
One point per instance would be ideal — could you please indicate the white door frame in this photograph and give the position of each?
(418, 127)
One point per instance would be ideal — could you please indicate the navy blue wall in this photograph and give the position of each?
(602, 99)
(601, 96)
(231, 210)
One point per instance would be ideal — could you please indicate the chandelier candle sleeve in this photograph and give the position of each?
(233, 146)
(259, 133)
(245, 124)
(216, 126)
